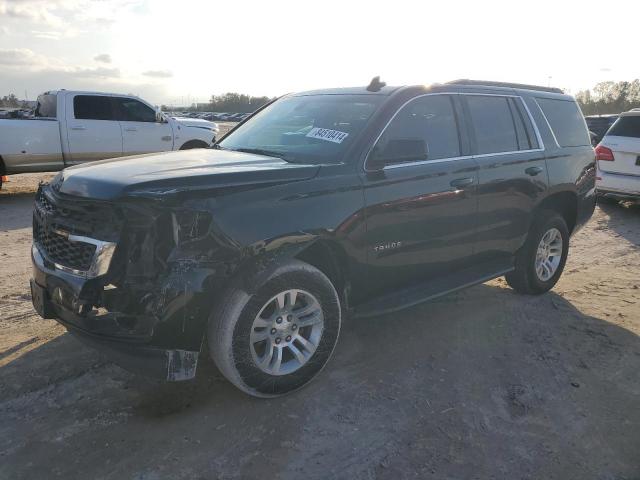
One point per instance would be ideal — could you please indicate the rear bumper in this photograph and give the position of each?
(57, 295)
(618, 185)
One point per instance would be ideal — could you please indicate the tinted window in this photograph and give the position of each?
(47, 106)
(131, 110)
(424, 129)
(566, 121)
(518, 123)
(520, 112)
(92, 107)
(493, 124)
(626, 127)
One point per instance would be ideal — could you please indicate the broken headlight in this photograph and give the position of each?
(189, 225)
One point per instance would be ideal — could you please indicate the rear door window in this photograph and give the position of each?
(566, 121)
(92, 107)
(132, 110)
(628, 126)
(494, 124)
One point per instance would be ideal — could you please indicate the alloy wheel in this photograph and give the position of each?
(549, 254)
(286, 332)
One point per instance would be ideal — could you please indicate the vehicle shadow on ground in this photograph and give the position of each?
(478, 383)
(624, 219)
(16, 210)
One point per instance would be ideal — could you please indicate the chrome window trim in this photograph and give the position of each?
(424, 162)
(553, 134)
(464, 157)
(533, 123)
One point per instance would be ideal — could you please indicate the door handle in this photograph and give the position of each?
(533, 171)
(131, 129)
(78, 127)
(462, 182)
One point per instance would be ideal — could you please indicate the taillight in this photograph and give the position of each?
(604, 154)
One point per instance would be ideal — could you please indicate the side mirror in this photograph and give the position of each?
(160, 118)
(398, 150)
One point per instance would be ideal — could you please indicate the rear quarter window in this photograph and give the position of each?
(47, 105)
(566, 121)
(628, 126)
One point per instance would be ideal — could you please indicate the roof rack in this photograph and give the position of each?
(465, 81)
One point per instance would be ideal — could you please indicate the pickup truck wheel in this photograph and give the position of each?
(194, 144)
(540, 261)
(276, 339)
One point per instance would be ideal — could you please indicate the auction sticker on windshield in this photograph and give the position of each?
(334, 136)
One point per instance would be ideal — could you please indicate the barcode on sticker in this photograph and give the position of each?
(334, 136)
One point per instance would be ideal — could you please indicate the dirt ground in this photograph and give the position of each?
(479, 384)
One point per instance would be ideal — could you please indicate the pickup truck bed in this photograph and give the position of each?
(40, 150)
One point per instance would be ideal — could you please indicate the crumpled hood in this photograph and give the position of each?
(159, 174)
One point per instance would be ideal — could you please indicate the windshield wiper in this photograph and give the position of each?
(260, 151)
(268, 153)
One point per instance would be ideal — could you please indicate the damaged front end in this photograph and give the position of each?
(131, 277)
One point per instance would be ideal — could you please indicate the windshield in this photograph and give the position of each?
(305, 129)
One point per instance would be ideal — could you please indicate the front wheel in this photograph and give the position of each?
(276, 339)
(194, 144)
(540, 261)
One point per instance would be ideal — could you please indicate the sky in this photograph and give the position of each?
(181, 52)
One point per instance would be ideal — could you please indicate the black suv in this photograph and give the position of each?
(351, 201)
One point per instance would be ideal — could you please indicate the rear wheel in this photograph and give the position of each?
(540, 261)
(276, 339)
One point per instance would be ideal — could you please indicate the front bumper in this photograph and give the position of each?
(147, 350)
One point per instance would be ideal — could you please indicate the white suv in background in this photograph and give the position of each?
(618, 156)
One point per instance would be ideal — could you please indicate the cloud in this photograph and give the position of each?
(36, 81)
(103, 58)
(47, 35)
(18, 57)
(70, 17)
(158, 73)
(100, 72)
(25, 60)
(34, 11)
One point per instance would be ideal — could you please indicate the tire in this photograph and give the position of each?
(194, 144)
(241, 314)
(525, 278)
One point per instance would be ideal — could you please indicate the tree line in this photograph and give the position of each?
(610, 97)
(236, 102)
(229, 102)
(11, 101)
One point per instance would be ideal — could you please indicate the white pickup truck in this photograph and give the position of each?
(72, 127)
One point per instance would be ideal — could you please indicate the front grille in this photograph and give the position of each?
(43, 202)
(59, 249)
